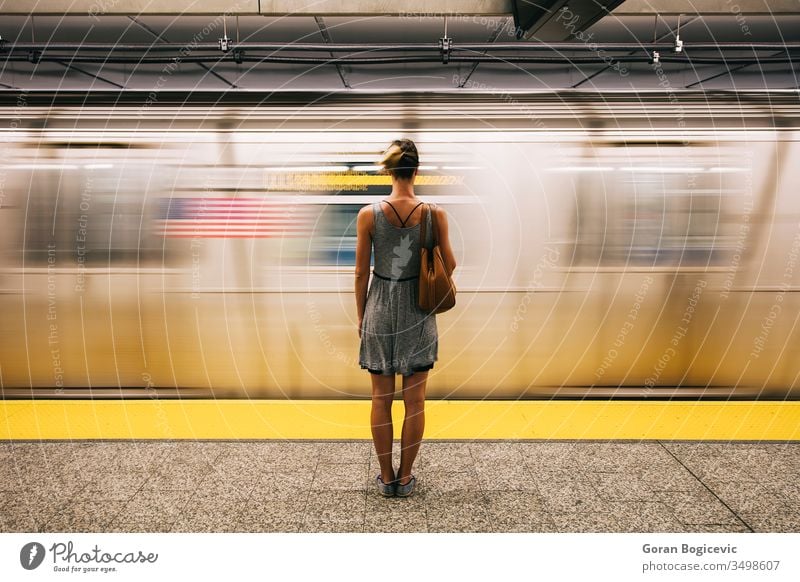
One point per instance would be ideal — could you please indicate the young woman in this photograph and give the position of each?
(397, 337)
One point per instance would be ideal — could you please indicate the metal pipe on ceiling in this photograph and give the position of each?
(556, 60)
(379, 47)
(263, 53)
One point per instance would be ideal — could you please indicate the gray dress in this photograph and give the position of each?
(397, 337)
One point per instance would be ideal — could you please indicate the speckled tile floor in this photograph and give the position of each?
(482, 486)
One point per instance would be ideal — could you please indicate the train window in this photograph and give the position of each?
(644, 218)
(335, 235)
(92, 217)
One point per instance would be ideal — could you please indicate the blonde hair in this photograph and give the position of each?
(401, 158)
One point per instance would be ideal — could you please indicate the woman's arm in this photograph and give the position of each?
(363, 257)
(444, 239)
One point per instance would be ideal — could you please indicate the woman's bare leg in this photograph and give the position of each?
(414, 422)
(381, 420)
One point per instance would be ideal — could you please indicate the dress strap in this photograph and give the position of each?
(410, 213)
(402, 222)
(395, 211)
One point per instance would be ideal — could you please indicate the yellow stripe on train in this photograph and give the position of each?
(344, 181)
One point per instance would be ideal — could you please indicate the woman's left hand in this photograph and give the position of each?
(359, 328)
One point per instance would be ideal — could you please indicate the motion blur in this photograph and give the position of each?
(608, 245)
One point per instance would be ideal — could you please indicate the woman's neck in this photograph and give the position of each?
(402, 191)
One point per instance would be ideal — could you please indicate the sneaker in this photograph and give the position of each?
(407, 489)
(387, 490)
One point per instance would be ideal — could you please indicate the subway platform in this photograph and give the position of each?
(463, 486)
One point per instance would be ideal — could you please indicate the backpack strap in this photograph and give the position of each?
(425, 211)
(434, 227)
(424, 224)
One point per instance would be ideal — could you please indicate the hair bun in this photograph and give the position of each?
(392, 157)
(400, 159)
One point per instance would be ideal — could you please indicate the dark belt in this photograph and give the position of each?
(390, 279)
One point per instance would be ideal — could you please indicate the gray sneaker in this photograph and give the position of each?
(407, 489)
(387, 490)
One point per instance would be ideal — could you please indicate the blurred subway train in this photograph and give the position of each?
(633, 245)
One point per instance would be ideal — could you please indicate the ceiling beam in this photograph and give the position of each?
(492, 37)
(724, 73)
(323, 30)
(706, 7)
(415, 8)
(669, 34)
(162, 38)
(264, 7)
(98, 8)
(72, 67)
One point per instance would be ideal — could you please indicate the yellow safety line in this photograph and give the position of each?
(340, 419)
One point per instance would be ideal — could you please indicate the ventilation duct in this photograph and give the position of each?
(557, 20)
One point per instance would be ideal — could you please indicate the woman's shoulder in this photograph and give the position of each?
(365, 218)
(437, 210)
(366, 210)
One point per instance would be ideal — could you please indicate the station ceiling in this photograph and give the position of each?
(327, 22)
